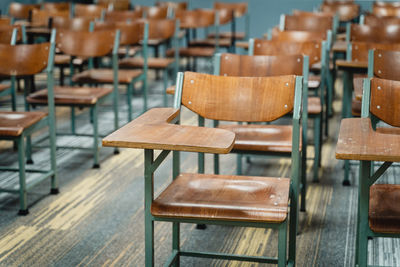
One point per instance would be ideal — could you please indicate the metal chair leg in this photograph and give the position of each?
(22, 177)
(317, 147)
(346, 179)
(282, 242)
(129, 100)
(239, 169)
(96, 164)
(165, 82)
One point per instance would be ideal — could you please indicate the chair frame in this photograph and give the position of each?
(49, 121)
(151, 164)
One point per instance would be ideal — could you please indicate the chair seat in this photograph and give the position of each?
(60, 59)
(314, 81)
(4, 87)
(266, 138)
(152, 63)
(229, 35)
(64, 95)
(12, 124)
(105, 76)
(314, 105)
(384, 210)
(131, 51)
(210, 42)
(223, 197)
(388, 130)
(193, 52)
(317, 66)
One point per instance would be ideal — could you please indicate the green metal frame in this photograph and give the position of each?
(20, 141)
(367, 177)
(151, 164)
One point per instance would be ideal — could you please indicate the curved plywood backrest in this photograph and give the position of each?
(269, 47)
(74, 24)
(260, 66)
(5, 21)
(298, 36)
(386, 9)
(298, 12)
(123, 16)
(6, 32)
(21, 11)
(119, 5)
(174, 5)
(385, 100)
(376, 34)
(308, 23)
(22, 60)
(84, 43)
(61, 6)
(252, 99)
(131, 33)
(198, 18)
(153, 12)
(88, 11)
(239, 9)
(359, 50)
(373, 20)
(387, 64)
(345, 10)
(41, 18)
(160, 28)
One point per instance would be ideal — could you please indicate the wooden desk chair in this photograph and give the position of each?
(191, 21)
(378, 212)
(92, 12)
(153, 12)
(131, 35)
(267, 139)
(58, 6)
(25, 60)
(19, 11)
(164, 32)
(87, 45)
(217, 199)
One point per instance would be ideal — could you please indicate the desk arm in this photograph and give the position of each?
(358, 141)
(153, 130)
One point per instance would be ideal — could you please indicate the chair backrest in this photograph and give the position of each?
(199, 18)
(5, 21)
(7, 31)
(307, 23)
(153, 12)
(297, 36)
(73, 24)
(359, 50)
(346, 11)
(376, 34)
(312, 49)
(386, 9)
(174, 5)
(298, 12)
(115, 5)
(160, 29)
(52, 6)
(386, 64)
(89, 11)
(23, 59)
(40, 18)
(247, 99)
(384, 100)
(130, 32)
(259, 66)
(85, 43)
(123, 16)
(238, 9)
(373, 20)
(21, 11)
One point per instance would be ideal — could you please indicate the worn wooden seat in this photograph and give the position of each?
(384, 213)
(14, 123)
(217, 199)
(378, 215)
(207, 196)
(153, 63)
(81, 96)
(105, 76)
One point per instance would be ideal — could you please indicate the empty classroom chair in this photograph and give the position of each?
(25, 60)
(209, 198)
